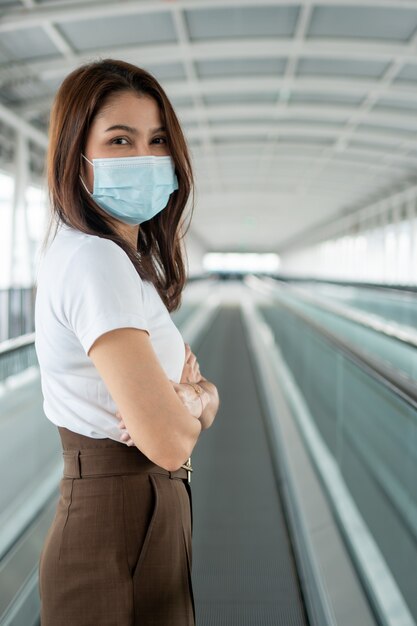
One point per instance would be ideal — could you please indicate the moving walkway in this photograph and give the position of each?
(286, 503)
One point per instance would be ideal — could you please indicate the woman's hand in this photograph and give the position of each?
(124, 437)
(191, 369)
(194, 401)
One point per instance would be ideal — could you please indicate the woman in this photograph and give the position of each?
(117, 379)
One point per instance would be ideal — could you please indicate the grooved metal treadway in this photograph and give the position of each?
(243, 568)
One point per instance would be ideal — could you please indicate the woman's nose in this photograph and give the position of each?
(144, 150)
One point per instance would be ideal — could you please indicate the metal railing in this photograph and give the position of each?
(366, 414)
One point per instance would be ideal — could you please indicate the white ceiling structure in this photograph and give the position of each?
(295, 111)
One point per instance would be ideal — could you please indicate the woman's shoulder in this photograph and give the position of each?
(75, 236)
(73, 254)
(88, 245)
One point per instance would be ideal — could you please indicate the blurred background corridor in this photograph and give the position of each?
(300, 304)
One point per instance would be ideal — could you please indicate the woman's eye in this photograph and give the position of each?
(116, 139)
(163, 138)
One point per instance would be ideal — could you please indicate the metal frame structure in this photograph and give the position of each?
(293, 149)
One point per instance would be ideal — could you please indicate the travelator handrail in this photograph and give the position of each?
(374, 322)
(398, 383)
(16, 343)
(384, 595)
(387, 287)
(16, 355)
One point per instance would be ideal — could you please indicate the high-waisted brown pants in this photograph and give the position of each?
(118, 552)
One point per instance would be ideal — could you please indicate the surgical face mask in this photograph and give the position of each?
(133, 189)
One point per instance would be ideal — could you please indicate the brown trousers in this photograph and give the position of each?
(118, 552)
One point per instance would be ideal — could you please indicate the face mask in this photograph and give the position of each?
(133, 189)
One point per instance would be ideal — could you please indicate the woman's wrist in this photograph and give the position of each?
(207, 392)
(199, 391)
(196, 386)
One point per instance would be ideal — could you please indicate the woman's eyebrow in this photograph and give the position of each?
(132, 130)
(129, 129)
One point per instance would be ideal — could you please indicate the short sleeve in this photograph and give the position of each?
(101, 291)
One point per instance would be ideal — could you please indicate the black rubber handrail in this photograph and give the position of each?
(16, 343)
(390, 287)
(357, 316)
(388, 376)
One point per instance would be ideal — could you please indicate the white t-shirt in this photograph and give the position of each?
(86, 286)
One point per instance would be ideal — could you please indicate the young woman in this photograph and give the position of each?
(118, 381)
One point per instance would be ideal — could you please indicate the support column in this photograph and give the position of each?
(412, 226)
(20, 261)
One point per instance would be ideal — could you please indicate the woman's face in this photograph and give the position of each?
(127, 125)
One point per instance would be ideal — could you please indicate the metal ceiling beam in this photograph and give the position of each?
(191, 75)
(343, 87)
(340, 191)
(348, 161)
(366, 107)
(247, 47)
(296, 130)
(51, 30)
(59, 40)
(295, 48)
(282, 101)
(287, 171)
(349, 132)
(376, 156)
(255, 84)
(325, 113)
(390, 160)
(319, 186)
(342, 223)
(21, 18)
(324, 87)
(15, 121)
(291, 168)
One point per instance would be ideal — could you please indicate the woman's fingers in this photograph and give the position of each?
(121, 424)
(125, 437)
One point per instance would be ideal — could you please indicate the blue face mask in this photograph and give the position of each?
(133, 189)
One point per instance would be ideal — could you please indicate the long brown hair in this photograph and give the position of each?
(77, 101)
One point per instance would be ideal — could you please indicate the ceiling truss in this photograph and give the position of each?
(322, 131)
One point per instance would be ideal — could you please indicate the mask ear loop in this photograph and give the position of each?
(84, 185)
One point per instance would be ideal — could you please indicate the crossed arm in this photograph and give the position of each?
(203, 406)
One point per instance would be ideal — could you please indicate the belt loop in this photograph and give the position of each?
(170, 473)
(72, 463)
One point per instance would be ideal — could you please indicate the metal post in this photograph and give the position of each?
(20, 249)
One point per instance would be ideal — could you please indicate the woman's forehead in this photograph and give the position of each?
(136, 110)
